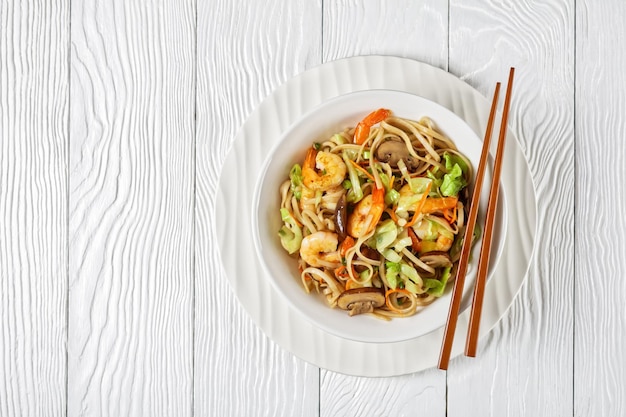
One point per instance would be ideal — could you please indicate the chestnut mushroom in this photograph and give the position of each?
(436, 259)
(361, 300)
(341, 217)
(393, 150)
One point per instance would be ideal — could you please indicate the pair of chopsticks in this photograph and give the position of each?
(483, 262)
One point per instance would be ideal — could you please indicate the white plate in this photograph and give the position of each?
(243, 165)
(330, 117)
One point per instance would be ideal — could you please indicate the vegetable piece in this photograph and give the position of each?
(290, 234)
(295, 175)
(339, 139)
(386, 234)
(420, 185)
(451, 160)
(438, 289)
(347, 243)
(391, 255)
(361, 300)
(434, 204)
(420, 206)
(409, 272)
(363, 170)
(355, 193)
(362, 131)
(453, 182)
(392, 273)
(413, 202)
(392, 197)
(341, 217)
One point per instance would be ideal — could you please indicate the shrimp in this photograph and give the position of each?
(333, 170)
(362, 130)
(367, 213)
(319, 249)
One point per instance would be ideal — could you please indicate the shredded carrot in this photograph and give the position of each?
(363, 170)
(391, 181)
(450, 214)
(392, 214)
(342, 272)
(347, 243)
(420, 206)
(388, 302)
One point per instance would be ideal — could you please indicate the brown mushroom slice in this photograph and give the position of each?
(392, 150)
(341, 217)
(361, 300)
(436, 259)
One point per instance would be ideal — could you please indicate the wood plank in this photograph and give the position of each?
(524, 367)
(409, 29)
(34, 104)
(600, 318)
(131, 208)
(245, 50)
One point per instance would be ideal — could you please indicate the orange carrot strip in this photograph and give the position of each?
(347, 243)
(392, 214)
(420, 206)
(363, 170)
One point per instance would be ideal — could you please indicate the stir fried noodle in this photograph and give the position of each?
(376, 214)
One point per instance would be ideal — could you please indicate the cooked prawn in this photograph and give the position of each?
(319, 249)
(367, 213)
(333, 170)
(362, 130)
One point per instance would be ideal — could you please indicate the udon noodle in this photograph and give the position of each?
(376, 215)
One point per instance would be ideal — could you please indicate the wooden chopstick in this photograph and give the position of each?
(457, 291)
(483, 262)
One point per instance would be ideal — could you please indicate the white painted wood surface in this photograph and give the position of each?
(34, 106)
(115, 118)
(131, 165)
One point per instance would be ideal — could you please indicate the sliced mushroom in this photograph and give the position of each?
(436, 259)
(393, 150)
(370, 253)
(341, 217)
(361, 300)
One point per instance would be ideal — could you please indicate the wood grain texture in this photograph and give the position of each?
(409, 29)
(34, 104)
(245, 50)
(404, 28)
(525, 365)
(600, 321)
(131, 208)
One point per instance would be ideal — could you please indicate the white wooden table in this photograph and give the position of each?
(115, 117)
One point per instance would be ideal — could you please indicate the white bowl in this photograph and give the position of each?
(281, 269)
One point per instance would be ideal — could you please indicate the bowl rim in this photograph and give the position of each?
(286, 294)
